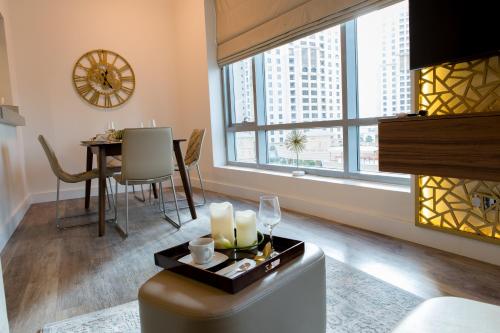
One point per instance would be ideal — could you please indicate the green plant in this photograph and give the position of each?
(118, 134)
(296, 142)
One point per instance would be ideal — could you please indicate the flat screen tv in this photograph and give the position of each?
(444, 31)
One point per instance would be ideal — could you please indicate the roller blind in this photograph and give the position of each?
(249, 27)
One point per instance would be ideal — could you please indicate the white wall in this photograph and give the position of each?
(49, 36)
(14, 200)
(385, 209)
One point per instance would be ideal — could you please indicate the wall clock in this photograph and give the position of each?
(103, 78)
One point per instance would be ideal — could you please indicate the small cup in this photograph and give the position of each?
(202, 250)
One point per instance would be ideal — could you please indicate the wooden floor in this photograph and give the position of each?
(51, 275)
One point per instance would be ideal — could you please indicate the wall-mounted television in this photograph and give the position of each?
(444, 31)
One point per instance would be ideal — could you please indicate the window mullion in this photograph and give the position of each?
(229, 112)
(350, 93)
(260, 107)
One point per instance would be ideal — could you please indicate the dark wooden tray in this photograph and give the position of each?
(287, 248)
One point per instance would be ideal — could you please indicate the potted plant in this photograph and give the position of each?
(296, 142)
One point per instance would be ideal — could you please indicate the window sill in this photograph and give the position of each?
(322, 179)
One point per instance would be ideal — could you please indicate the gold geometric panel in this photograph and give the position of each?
(447, 203)
(465, 207)
(472, 86)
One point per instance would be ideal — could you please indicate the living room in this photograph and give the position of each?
(365, 129)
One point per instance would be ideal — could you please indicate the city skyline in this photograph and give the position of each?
(303, 83)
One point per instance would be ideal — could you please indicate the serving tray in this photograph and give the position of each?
(287, 248)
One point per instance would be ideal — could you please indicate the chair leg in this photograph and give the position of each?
(116, 202)
(201, 183)
(58, 215)
(117, 225)
(175, 200)
(107, 197)
(126, 205)
(143, 199)
(58, 224)
(162, 202)
(110, 193)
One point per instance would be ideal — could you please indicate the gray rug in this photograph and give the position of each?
(356, 303)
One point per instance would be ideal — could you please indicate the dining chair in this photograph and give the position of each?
(192, 159)
(116, 162)
(146, 159)
(69, 178)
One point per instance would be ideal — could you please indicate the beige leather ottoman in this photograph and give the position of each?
(291, 299)
(451, 315)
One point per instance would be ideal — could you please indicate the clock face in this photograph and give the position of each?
(103, 78)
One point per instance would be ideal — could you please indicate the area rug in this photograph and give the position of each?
(356, 303)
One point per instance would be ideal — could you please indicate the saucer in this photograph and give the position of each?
(216, 259)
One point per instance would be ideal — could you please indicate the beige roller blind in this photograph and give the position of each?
(248, 27)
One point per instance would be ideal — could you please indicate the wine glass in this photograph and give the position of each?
(111, 126)
(152, 123)
(270, 215)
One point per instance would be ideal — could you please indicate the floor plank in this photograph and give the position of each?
(51, 275)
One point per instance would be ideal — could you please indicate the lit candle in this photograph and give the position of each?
(222, 221)
(246, 228)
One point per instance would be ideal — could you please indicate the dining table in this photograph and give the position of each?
(103, 149)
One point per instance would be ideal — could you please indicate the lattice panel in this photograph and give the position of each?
(466, 87)
(446, 203)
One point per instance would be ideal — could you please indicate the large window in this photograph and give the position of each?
(330, 86)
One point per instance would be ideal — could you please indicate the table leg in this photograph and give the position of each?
(184, 177)
(101, 161)
(155, 191)
(88, 183)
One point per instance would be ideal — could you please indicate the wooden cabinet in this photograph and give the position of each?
(462, 146)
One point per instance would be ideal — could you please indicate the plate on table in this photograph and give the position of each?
(218, 258)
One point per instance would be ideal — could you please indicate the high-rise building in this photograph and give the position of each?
(303, 83)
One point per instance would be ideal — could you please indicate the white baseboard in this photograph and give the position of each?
(10, 225)
(373, 221)
(79, 192)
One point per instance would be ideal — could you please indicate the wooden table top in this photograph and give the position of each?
(90, 143)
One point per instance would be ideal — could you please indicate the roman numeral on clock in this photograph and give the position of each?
(94, 99)
(107, 101)
(127, 90)
(84, 89)
(79, 79)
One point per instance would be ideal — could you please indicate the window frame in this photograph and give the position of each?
(349, 123)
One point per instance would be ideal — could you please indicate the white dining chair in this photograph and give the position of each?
(146, 159)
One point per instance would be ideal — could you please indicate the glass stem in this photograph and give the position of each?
(271, 238)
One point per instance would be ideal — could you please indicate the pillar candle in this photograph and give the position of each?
(222, 221)
(246, 228)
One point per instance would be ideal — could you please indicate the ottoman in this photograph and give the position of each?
(290, 299)
(451, 315)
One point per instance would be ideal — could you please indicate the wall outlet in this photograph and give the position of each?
(484, 201)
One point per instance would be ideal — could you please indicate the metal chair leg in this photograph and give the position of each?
(116, 202)
(117, 225)
(59, 219)
(162, 199)
(110, 193)
(198, 204)
(201, 183)
(126, 205)
(175, 200)
(58, 224)
(143, 199)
